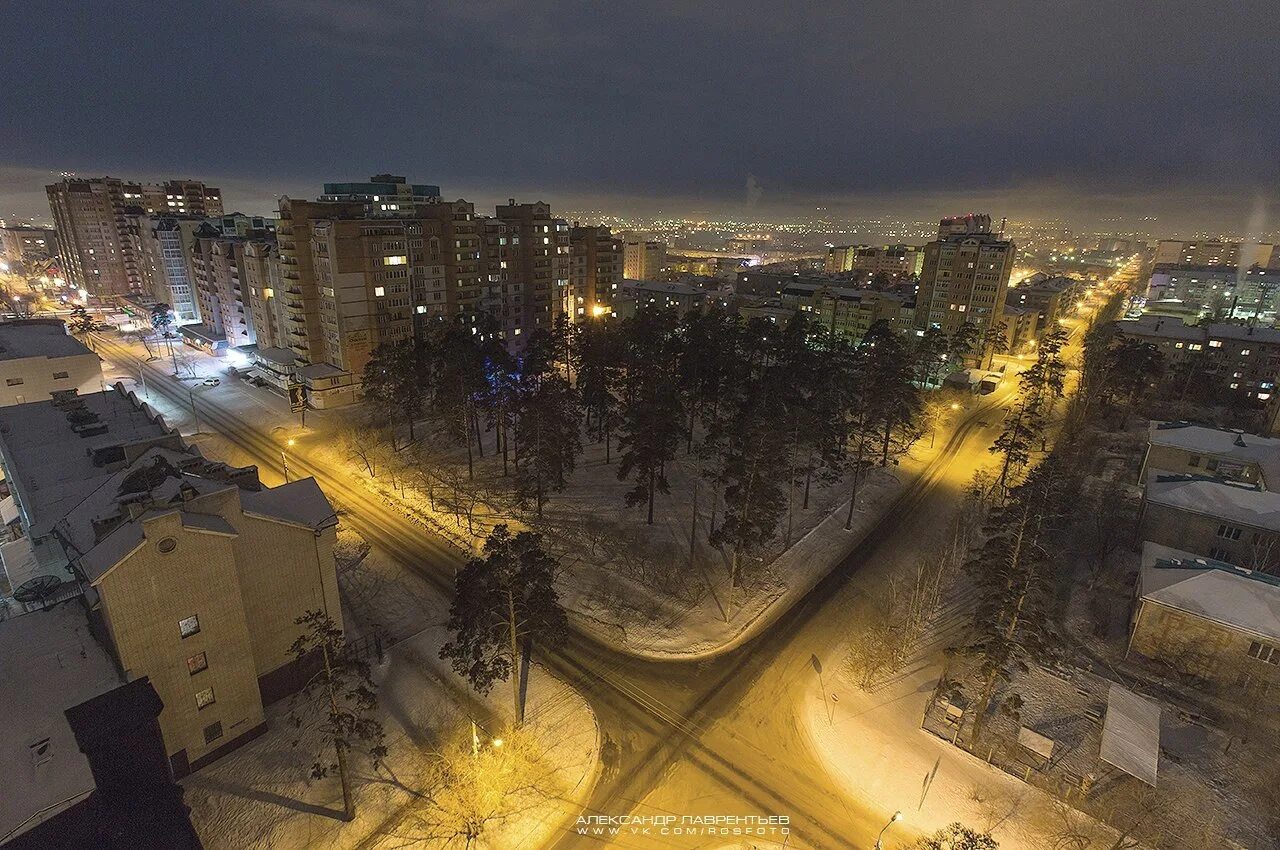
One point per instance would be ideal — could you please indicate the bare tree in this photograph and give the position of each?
(364, 443)
(475, 785)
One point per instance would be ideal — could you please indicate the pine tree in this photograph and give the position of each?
(962, 343)
(548, 430)
(652, 417)
(595, 359)
(753, 464)
(344, 693)
(995, 341)
(893, 401)
(930, 354)
(394, 381)
(505, 603)
(1013, 622)
(1039, 386)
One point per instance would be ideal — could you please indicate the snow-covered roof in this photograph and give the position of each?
(1243, 333)
(300, 502)
(38, 338)
(1163, 327)
(49, 662)
(1131, 734)
(1224, 500)
(320, 370)
(19, 562)
(53, 466)
(669, 288)
(1247, 448)
(81, 526)
(279, 356)
(1212, 590)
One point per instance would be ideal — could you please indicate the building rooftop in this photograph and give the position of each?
(298, 503)
(280, 356)
(1212, 497)
(672, 288)
(1243, 333)
(49, 662)
(1233, 596)
(1160, 326)
(38, 338)
(55, 463)
(320, 370)
(842, 293)
(1222, 442)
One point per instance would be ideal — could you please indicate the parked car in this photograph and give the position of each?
(211, 382)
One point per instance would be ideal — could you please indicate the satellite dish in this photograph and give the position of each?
(37, 589)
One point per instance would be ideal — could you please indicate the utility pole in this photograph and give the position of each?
(194, 414)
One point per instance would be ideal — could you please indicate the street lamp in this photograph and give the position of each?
(897, 816)
(284, 459)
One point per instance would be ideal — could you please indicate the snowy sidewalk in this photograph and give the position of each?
(873, 748)
(261, 796)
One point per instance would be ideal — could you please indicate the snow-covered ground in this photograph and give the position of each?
(261, 795)
(874, 749)
(640, 587)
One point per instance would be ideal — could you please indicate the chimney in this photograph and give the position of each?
(136, 803)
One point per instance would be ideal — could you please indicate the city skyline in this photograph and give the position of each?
(1103, 120)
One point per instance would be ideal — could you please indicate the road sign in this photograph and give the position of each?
(297, 397)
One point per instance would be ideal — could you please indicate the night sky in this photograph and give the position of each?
(1098, 107)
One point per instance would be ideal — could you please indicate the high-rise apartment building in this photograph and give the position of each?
(532, 269)
(22, 243)
(265, 293)
(965, 275)
(182, 197)
(165, 245)
(595, 272)
(840, 258)
(643, 259)
(1214, 252)
(98, 226)
(218, 267)
(370, 262)
(896, 261)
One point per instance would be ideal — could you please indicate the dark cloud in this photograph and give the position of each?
(657, 100)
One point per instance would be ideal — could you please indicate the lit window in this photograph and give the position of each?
(197, 663)
(398, 260)
(1244, 352)
(1215, 343)
(189, 626)
(1195, 346)
(268, 293)
(379, 291)
(204, 698)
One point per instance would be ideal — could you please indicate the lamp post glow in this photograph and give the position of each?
(284, 459)
(897, 816)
